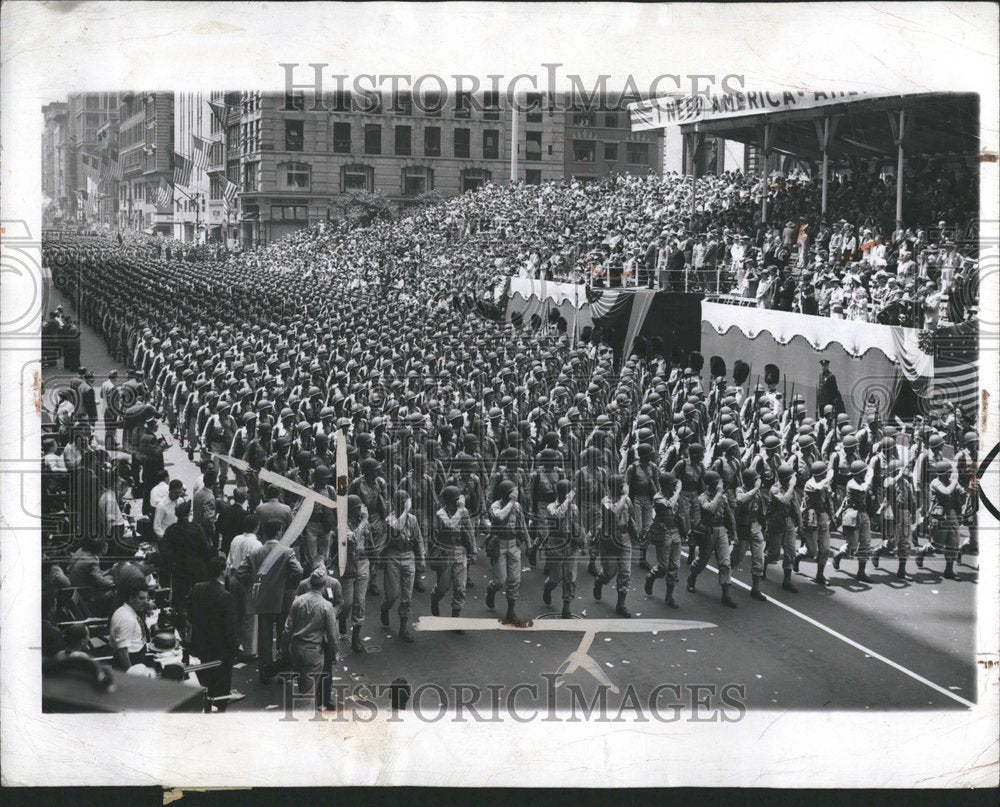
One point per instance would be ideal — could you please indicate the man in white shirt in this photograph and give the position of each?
(166, 510)
(239, 550)
(128, 633)
(160, 490)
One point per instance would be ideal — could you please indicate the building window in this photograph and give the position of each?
(491, 144)
(432, 141)
(533, 176)
(532, 145)
(294, 100)
(233, 138)
(402, 103)
(473, 178)
(417, 180)
(289, 213)
(342, 101)
(611, 152)
(294, 136)
(373, 138)
(610, 120)
(296, 176)
(250, 177)
(584, 118)
(341, 138)
(491, 106)
(462, 142)
(534, 107)
(463, 105)
(357, 178)
(583, 151)
(402, 141)
(637, 153)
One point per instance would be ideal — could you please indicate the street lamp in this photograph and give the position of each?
(196, 198)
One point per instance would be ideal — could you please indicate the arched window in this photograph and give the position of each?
(296, 176)
(357, 178)
(473, 178)
(417, 180)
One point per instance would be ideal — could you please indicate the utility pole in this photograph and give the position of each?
(514, 138)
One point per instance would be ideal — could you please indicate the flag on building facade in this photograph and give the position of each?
(182, 170)
(229, 191)
(163, 194)
(199, 151)
(219, 110)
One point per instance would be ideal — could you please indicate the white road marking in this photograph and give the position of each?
(854, 644)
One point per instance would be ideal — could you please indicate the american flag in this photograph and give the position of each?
(229, 194)
(956, 367)
(219, 110)
(163, 194)
(182, 170)
(200, 152)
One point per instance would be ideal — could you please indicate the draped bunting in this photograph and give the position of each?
(900, 345)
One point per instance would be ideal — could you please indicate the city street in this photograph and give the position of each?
(883, 645)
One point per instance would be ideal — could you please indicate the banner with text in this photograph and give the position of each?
(673, 110)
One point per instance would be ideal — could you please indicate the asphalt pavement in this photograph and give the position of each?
(887, 644)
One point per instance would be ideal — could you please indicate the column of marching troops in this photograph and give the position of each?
(488, 438)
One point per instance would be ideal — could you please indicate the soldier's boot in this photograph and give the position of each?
(796, 561)
(820, 578)
(643, 563)
(648, 585)
(670, 601)
(342, 624)
(533, 555)
(383, 615)
(547, 592)
(787, 583)
(435, 602)
(491, 596)
(876, 555)
(620, 608)
(510, 616)
(456, 612)
(901, 572)
(837, 557)
(418, 585)
(373, 589)
(404, 630)
(727, 598)
(566, 613)
(356, 645)
(692, 579)
(598, 583)
(861, 576)
(755, 592)
(949, 570)
(592, 568)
